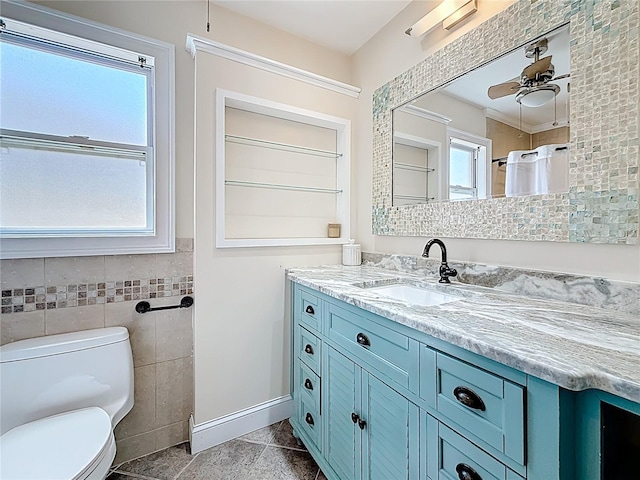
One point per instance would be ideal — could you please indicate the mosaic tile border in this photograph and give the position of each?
(602, 204)
(31, 299)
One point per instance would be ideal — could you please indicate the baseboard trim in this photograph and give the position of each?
(228, 427)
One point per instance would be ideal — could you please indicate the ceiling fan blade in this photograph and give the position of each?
(559, 77)
(540, 66)
(503, 89)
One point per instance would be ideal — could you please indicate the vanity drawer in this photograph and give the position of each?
(391, 353)
(308, 349)
(457, 458)
(307, 309)
(309, 419)
(485, 405)
(308, 384)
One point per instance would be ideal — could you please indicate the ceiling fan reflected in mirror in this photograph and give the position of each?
(533, 87)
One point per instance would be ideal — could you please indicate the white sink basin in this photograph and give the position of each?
(414, 295)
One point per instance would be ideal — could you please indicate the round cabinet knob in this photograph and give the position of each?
(308, 385)
(465, 472)
(308, 349)
(354, 417)
(469, 398)
(362, 424)
(363, 340)
(309, 419)
(310, 310)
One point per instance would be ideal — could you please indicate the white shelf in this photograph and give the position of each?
(415, 168)
(257, 142)
(275, 186)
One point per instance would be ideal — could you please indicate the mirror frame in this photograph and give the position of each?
(602, 203)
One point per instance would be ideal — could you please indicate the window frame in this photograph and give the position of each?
(482, 164)
(162, 139)
(470, 191)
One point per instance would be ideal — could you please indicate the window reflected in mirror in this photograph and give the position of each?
(499, 130)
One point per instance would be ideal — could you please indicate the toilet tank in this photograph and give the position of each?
(45, 376)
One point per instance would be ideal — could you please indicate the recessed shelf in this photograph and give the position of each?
(257, 142)
(413, 197)
(275, 186)
(415, 168)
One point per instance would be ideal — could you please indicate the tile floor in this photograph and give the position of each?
(270, 453)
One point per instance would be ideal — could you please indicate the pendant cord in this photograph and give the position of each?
(520, 122)
(208, 15)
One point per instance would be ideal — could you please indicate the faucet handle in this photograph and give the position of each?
(446, 272)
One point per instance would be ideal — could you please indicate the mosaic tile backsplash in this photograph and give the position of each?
(602, 203)
(30, 299)
(578, 289)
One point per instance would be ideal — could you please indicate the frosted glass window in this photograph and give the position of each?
(72, 192)
(86, 138)
(46, 91)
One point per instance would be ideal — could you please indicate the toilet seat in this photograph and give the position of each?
(68, 446)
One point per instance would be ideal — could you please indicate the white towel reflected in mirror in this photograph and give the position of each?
(539, 171)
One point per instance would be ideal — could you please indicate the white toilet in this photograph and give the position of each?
(60, 398)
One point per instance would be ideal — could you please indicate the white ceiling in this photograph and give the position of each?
(342, 25)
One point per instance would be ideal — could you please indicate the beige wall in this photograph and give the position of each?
(387, 55)
(550, 137)
(504, 139)
(241, 327)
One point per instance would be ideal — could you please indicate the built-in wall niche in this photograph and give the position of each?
(282, 174)
(415, 169)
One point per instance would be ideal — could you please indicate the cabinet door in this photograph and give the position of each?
(390, 433)
(342, 390)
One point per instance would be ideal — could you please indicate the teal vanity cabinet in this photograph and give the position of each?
(607, 436)
(355, 424)
(375, 399)
(371, 429)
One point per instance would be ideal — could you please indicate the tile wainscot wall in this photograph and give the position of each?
(45, 296)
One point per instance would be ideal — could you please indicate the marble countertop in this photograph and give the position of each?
(574, 346)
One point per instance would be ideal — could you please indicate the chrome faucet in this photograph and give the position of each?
(445, 271)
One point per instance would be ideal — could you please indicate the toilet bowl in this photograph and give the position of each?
(61, 397)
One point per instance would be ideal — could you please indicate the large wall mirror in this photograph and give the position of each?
(525, 128)
(499, 130)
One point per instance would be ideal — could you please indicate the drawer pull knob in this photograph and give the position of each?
(363, 340)
(309, 419)
(362, 424)
(310, 310)
(469, 398)
(308, 385)
(308, 349)
(465, 472)
(354, 417)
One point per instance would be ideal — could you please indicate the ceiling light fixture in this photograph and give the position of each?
(538, 95)
(449, 13)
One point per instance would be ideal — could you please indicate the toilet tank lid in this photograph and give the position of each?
(61, 343)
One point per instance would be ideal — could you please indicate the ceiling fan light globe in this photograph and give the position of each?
(537, 96)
